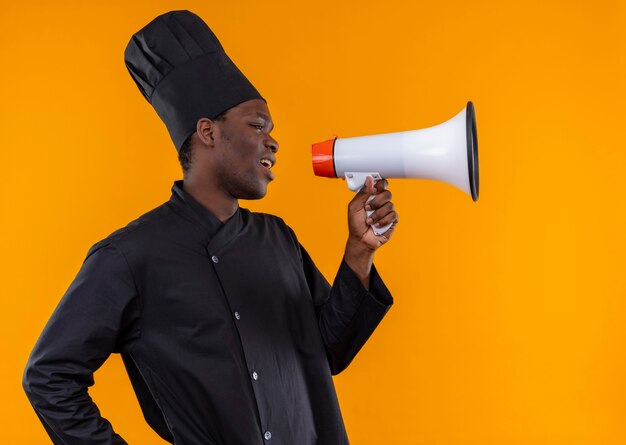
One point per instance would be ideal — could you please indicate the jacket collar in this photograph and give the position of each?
(215, 233)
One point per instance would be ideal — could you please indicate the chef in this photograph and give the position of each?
(229, 333)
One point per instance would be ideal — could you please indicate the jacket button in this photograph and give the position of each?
(237, 316)
(267, 435)
(255, 376)
(215, 259)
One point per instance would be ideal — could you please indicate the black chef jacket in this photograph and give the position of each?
(228, 332)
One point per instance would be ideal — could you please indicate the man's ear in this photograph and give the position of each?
(205, 129)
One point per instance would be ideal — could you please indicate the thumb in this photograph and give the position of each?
(366, 191)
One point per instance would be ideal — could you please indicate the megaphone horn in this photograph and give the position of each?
(447, 152)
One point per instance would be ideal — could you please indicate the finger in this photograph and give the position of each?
(379, 200)
(381, 185)
(386, 235)
(389, 218)
(381, 212)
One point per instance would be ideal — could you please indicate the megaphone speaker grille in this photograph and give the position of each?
(472, 149)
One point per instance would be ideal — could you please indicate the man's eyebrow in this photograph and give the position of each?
(265, 117)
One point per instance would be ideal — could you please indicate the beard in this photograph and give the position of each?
(246, 185)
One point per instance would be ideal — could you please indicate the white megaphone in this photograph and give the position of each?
(447, 152)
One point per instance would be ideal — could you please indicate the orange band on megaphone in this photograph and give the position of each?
(323, 162)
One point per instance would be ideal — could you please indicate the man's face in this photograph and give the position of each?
(245, 150)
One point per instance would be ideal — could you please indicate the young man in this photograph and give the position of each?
(229, 333)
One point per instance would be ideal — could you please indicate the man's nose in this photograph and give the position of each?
(271, 143)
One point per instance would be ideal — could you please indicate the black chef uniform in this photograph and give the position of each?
(229, 332)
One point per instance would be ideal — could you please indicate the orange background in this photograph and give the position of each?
(508, 324)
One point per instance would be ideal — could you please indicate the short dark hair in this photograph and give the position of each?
(184, 154)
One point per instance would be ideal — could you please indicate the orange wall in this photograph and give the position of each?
(508, 326)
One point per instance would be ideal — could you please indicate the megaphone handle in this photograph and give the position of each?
(356, 181)
(377, 230)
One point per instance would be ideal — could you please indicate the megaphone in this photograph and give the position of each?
(447, 152)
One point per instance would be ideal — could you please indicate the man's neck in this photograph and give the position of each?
(215, 201)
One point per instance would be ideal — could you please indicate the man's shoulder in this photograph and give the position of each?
(267, 219)
(274, 225)
(141, 229)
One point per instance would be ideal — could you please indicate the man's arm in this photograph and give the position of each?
(350, 310)
(347, 313)
(97, 315)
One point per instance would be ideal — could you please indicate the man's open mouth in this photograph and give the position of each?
(267, 163)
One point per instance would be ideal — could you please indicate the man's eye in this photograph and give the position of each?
(258, 126)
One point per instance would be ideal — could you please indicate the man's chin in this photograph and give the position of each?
(252, 195)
